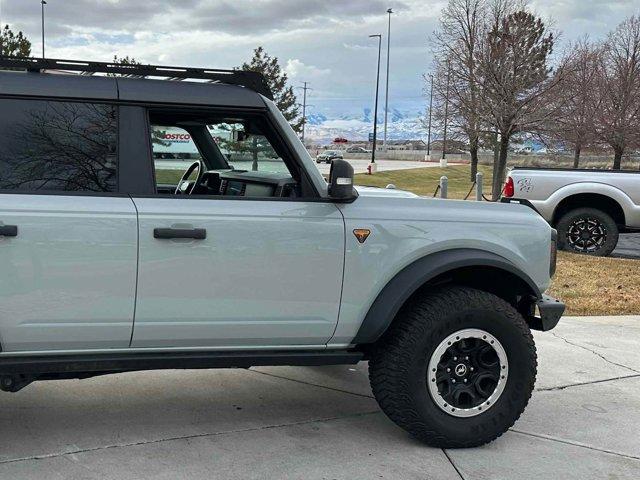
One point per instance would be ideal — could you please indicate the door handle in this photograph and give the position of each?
(8, 230)
(171, 233)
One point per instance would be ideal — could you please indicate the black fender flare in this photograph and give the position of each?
(398, 290)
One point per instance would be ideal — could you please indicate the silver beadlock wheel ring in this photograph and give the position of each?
(467, 373)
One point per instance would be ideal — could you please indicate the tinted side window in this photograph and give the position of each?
(59, 146)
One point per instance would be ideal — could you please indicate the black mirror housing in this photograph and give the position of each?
(341, 181)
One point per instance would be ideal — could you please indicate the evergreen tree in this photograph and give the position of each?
(277, 80)
(125, 60)
(14, 45)
(516, 83)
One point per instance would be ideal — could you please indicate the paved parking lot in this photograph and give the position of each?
(321, 423)
(360, 166)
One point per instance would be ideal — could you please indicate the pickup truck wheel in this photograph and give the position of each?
(588, 231)
(456, 368)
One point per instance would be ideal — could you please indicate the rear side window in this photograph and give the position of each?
(58, 146)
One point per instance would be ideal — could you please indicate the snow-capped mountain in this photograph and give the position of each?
(356, 126)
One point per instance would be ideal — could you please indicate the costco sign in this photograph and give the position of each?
(177, 137)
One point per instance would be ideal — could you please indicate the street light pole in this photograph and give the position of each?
(304, 109)
(42, 4)
(386, 107)
(430, 116)
(446, 113)
(375, 113)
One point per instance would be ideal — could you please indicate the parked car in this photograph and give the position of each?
(329, 155)
(110, 266)
(589, 208)
(358, 150)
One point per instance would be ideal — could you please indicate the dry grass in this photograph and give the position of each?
(597, 286)
(424, 181)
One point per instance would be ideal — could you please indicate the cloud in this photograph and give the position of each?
(298, 70)
(323, 41)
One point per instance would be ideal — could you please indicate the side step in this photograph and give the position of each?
(74, 366)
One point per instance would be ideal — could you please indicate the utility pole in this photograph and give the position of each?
(430, 116)
(386, 107)
(446, 113)
(42, 4)
(375, 113)
(304, 108)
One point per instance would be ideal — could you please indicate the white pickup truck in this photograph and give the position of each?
(589, 208)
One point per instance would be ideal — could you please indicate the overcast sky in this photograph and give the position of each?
(324, 42)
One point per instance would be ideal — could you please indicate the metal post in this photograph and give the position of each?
(446, 113)
(444, 186)
(430, 117)
(304, 109)
(479, 186)
(42, 4)
(386, 106)
(375, 113)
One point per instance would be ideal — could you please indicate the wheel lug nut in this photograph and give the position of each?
(455, 359)
(448, 370)
(465, 380)
(453, 381)
(471, 369)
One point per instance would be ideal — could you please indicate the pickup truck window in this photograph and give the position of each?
(57, 146)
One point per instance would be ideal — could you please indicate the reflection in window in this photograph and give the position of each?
(59, 146)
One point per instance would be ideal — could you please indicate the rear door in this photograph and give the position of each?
(68, 241)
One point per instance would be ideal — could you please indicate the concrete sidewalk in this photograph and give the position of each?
(321, 423)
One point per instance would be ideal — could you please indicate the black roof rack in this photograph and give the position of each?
(252, 80)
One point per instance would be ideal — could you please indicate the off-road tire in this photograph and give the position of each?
(569, 218)
(399, 363)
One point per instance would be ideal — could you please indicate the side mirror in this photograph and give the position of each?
(341, 181)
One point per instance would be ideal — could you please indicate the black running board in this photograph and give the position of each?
(69, 365)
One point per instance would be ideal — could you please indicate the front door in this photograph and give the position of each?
(267, 273)
(263, 267)
(68, 241)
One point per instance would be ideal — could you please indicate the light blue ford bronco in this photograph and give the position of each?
(155, 224)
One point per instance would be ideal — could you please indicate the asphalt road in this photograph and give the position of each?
(360, 166)
(628, 246)
(321, 423)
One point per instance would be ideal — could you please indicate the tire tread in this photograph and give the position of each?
(388, 364)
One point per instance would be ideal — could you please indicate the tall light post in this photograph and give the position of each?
(386, 106)
(304, 108)
(446, 113)
(42, 4)
(375, 111)
(430, 116)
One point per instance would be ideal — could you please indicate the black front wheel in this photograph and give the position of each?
(588, 231)
(456, 368)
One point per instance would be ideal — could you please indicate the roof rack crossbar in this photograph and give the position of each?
(251, 80)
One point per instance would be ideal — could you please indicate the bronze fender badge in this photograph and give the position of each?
(362, 234)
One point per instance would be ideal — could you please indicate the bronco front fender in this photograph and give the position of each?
(399, 289)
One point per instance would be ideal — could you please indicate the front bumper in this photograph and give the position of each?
(551, 310)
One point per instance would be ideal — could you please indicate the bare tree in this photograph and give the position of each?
(576, 104)
(456, 41)
(618, 122)
(516, 81)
